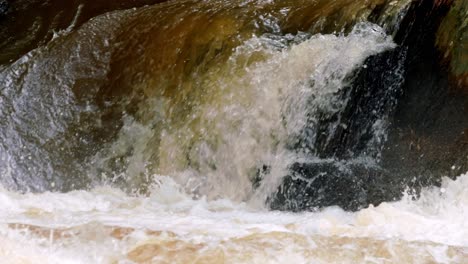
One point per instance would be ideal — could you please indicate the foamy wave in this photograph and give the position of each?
(105, 224)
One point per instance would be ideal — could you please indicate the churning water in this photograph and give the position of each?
(105, 225)
(176, 182)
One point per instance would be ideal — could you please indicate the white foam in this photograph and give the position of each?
(436, 216)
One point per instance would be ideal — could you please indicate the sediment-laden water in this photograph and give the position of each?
(172, 132)
(105, 225)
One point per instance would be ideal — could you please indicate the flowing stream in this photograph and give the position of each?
(164, 134)
(105, 225)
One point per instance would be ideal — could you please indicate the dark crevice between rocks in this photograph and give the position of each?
(408, 88)
(428, 138)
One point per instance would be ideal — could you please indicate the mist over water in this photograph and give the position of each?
(166, 133)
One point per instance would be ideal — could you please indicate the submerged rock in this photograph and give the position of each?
(352, 186)
(95, 88)
(28, 24)
(192, 89)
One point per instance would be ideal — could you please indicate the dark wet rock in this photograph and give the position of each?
(4, 8)
(370, 101)
(351, 186)
(428, 137)
(27, 24)
(427, 126)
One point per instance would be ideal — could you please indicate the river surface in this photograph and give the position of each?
(105, 225)
(161, 134)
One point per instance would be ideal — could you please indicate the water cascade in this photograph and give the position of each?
(225, 131)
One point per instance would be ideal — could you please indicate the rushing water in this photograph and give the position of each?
(105, 225)
(160, 134)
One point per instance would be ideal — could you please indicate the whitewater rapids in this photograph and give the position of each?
(90, 176)
(107, 226)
